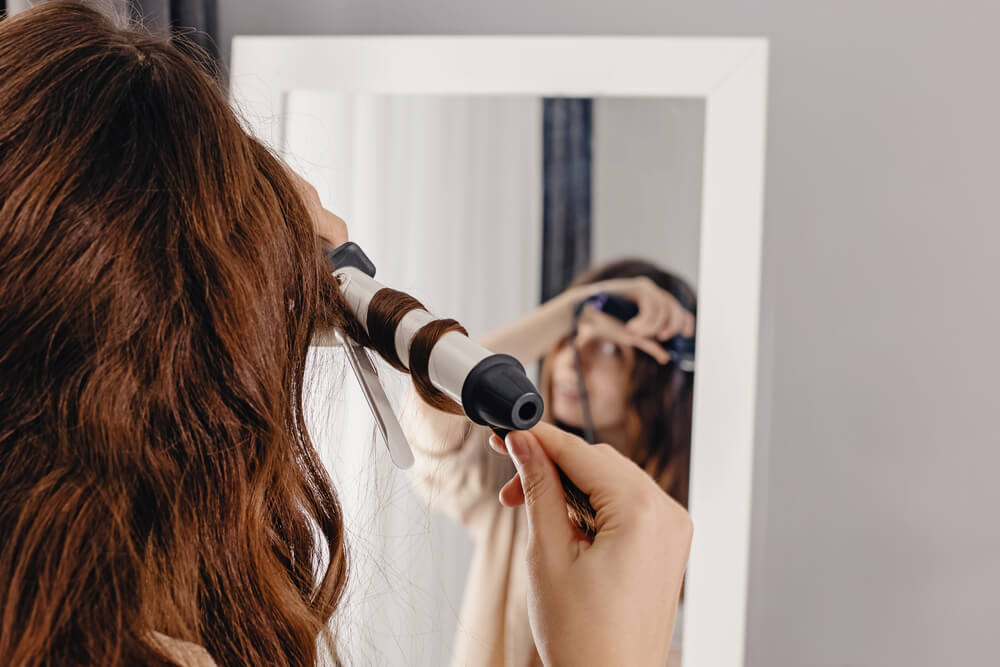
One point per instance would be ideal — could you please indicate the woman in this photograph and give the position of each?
(161, 278)
(636, 397)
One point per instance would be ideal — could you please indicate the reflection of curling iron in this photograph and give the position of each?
(492, 389)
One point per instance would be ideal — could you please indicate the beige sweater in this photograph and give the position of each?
(458, 474)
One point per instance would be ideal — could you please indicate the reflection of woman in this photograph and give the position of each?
(160, 281)
(639, 401)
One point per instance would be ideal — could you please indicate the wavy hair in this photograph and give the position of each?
(160, 282)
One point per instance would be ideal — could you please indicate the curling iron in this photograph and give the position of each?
(493, 389)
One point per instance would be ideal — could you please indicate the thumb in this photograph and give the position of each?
(548, 523)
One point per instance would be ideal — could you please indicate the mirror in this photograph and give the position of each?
(484, 207)
(482, 175)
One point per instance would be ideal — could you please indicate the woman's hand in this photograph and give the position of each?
(660, 316)
(611, 601)
(595, 323)
(329, 227)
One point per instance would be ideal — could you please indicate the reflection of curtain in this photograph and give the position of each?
(568, 130)
(444, 194)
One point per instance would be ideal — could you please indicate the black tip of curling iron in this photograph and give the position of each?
(498, 393)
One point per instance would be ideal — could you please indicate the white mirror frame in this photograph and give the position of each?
(730, 75)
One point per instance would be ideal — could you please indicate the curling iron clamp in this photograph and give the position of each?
(492, 389)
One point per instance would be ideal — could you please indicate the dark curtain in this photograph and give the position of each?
(567, 130)
(196, 19)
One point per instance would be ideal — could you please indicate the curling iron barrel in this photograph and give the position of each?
(492, 389)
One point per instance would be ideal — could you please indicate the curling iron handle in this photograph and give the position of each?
(582, 512)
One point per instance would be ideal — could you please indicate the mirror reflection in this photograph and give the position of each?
(561, 231)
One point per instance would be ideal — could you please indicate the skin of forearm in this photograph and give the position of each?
(530, 337)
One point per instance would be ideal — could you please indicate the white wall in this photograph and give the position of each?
(876, 536)
(647, 157)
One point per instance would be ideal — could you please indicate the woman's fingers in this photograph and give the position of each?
(620, 492)
(497, 444)
(623, 495)
(512, 495)
(652, 348)
(652, 308)
(683, 326)
(549, 528)
(671, 327)
(672, 324)
(611, 329)
(689, 326)
(652, 316)
(583, 463)
(660, 315)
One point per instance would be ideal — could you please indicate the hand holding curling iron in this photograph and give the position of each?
(613, 600)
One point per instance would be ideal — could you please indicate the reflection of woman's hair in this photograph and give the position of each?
(160, 282)
(658, 420)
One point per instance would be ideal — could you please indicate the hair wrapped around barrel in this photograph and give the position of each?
(385, 311)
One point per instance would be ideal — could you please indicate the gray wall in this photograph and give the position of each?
(876, 532)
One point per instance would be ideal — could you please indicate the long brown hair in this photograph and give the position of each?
(659, 401)
(160, 282)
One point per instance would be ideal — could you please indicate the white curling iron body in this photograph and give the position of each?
(493, 389)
